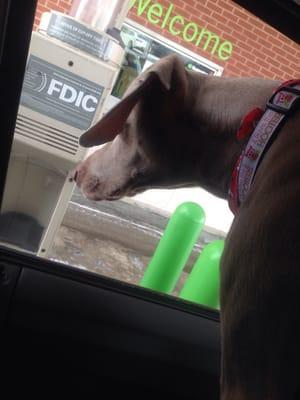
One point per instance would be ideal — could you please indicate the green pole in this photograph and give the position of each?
(174, 248)
(202, 284)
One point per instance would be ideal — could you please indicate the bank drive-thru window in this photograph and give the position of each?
(81, 60)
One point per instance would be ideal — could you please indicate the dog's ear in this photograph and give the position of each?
(113, 122)
(170, 73)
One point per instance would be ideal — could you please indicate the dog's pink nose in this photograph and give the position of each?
(77, 174)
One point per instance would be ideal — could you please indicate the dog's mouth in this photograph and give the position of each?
(119, 193)
(115, 195)
(128, 191)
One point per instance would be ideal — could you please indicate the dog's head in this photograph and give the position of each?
(146, 143)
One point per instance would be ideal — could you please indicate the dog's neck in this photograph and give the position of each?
(220, 107)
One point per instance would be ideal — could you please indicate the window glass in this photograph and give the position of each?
(142, 50)
(83, 56)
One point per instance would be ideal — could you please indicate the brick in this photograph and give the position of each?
(52, 3)
(256, 22)
(276, 71)
(191, 10)
(249, 72)
(241, 66)
(266, 73)
(237, 49)
(293, 73)
(64, 4)
(42, 9)
(282, 60)
(230, 16)
(250, 35)
(218, 31)
(274, 41)
(240, 58)
(259, 32)
(236, 27)
(204, 10)
(281, 51)
(273, 62)
(226, 5)
(209, 22)
(295, 68)
(224, 28)
(245, 25)
(244, 53)
(184, 12)
(253, 44)
(189, 2)
(165, 3)
(252, 64)
(263, 42)
(287, 48)
(235, 37)
(220, 18)
(245, 46)
(286, 40)
(260, 54)
(264, 53)
(271, 31)
(216, 8)
(239, 12)
(293, 58)
(234, 71)
(54, 6)
(179, 3)
(260, 63)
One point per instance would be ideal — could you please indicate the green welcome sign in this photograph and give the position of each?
(178, 26)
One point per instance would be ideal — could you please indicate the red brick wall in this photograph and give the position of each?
(258, 49)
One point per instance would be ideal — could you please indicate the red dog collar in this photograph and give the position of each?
(263, 125)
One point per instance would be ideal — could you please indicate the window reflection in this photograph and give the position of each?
(142, 51)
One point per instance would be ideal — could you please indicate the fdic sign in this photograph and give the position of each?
(60, 94)
(165, 18)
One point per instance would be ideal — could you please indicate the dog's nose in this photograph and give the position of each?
(75, 175)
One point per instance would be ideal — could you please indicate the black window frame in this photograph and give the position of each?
(16, 22)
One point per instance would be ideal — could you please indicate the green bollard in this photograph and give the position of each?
(203, 283)
(174, 248)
